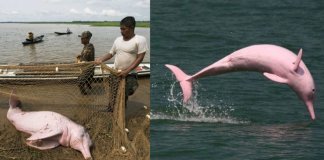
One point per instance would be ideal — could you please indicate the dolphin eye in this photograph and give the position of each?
(313, 90)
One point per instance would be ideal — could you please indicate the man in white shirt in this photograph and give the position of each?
(129, 51)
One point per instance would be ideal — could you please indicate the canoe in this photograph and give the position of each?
(11, 73)
(36, 40)
(62, 33)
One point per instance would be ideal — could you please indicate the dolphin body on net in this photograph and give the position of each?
(276, 63)
(48, 129)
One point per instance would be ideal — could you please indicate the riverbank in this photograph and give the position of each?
(142, 24)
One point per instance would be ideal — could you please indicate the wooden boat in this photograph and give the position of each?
(36, 40)
(56, 73)
(62, 33)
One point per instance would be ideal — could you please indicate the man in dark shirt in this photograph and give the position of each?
(87, 54)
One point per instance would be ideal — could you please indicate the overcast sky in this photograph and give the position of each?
(73, 10)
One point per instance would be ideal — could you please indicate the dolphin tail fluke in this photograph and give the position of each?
(14, 100)
(186, 85)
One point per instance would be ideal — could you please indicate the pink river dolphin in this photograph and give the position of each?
(48, 129)
(276, 63)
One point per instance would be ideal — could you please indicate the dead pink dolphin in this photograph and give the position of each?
(48, 129)
(276, 63)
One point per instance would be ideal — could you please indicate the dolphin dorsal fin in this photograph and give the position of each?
(298, 59)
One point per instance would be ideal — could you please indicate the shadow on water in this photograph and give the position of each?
(32, 49)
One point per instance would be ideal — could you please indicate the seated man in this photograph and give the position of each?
(30, 36)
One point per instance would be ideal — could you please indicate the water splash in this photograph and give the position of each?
(195, 111)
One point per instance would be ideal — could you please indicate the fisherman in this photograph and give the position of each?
(129, 51)
(87, 55)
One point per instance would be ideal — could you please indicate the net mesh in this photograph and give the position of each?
(89, 95)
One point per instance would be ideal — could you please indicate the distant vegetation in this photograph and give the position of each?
(145, 24)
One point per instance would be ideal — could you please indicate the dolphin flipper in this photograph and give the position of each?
(43, 144)
(44, 133)
(44, 139)
(275, 78)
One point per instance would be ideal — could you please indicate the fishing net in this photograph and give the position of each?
(92, 96)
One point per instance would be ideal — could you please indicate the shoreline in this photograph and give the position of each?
(140, 24)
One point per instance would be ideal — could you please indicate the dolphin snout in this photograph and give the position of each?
(311, 109)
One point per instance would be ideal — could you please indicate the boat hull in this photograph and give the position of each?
(36, 40)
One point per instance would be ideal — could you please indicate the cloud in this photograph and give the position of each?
(74, 11)
(10, 12)
(94, 1)
(143, 3)
(105, 12)
(89, 11)
(111, 12)
(45, 12)
(65, 10)
(53, 1)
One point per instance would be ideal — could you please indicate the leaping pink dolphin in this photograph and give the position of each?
(276, 63)
(48, 129)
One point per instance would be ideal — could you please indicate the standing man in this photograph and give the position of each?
(87, 54)
(130, 50)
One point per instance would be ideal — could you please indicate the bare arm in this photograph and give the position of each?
(103, 58)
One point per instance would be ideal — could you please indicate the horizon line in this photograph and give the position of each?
(67, 21)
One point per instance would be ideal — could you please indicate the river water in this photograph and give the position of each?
(55, 48)
(239, 115)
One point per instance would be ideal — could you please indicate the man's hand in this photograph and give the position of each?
(122, 73)
(98, 61)
(78, 59)
(103, 58)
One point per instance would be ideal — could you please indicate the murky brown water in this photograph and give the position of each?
(55, 48)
